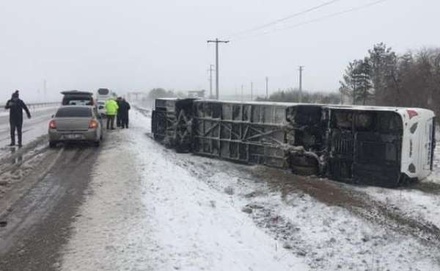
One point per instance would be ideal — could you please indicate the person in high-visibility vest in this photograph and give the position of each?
(111, 109)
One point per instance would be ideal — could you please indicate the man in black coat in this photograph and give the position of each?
(16, 106)
(118, 115)
(124, 107)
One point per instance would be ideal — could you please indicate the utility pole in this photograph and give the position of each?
(300, 82)
(44, 90)
(242, 93)
(217, 41)
(210, 80)
(252, 91)
(267, 87)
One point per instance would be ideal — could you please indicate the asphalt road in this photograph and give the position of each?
(39, 206)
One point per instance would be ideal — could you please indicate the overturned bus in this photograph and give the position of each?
(380, 146)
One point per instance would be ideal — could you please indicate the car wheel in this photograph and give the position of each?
(52, 144)
(97, 143)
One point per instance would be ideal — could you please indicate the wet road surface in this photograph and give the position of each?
(35, 213)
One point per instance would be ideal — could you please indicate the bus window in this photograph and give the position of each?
(103, 91)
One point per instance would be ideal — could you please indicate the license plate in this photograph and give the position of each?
(72, 136)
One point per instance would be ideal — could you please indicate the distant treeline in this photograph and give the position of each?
(382, 77)
(386, 78)
(289, 95)
(293, 96)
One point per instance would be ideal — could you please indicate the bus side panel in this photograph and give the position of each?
(158, 125)
(377, 159)
(378, 152)
(426, 145)
(365, 147)
(417, 156)
(240, 132)
(433, 142)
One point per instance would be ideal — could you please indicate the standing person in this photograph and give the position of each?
(16, 106)
(111, 109)
(118, 115)
(123, 111)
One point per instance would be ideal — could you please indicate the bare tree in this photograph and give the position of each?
(410, 80)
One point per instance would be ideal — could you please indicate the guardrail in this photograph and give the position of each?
(35, 105)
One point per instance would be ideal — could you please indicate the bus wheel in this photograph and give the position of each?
(305, 170)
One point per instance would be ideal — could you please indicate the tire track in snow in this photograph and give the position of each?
(341, 199)
(21, 186)
(359, 203)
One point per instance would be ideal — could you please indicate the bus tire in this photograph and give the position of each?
(305, 170)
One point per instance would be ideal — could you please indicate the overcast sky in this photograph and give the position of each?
(136, 45)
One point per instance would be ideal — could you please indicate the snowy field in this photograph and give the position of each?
(152, 209)
(149, 208)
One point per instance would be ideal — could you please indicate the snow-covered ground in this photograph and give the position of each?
(418, 204)
(149, 208)
(421, 201)
(145, 212)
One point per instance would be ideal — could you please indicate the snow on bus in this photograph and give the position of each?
(382, 146)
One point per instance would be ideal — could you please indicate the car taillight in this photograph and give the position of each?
(52, 124)
(93, 124)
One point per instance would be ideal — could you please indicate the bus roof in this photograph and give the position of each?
(403, 111)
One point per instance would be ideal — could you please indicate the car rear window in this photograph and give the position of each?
(73, 112)
(77, 100)
(103, 91)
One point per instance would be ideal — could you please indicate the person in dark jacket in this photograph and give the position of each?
(16, 106)
(118, 115)
(123, 111)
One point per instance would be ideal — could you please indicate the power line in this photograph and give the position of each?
(318, 19)
(336, 14)
(285, 18)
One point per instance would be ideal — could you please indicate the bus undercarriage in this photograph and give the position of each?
(343, 144)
